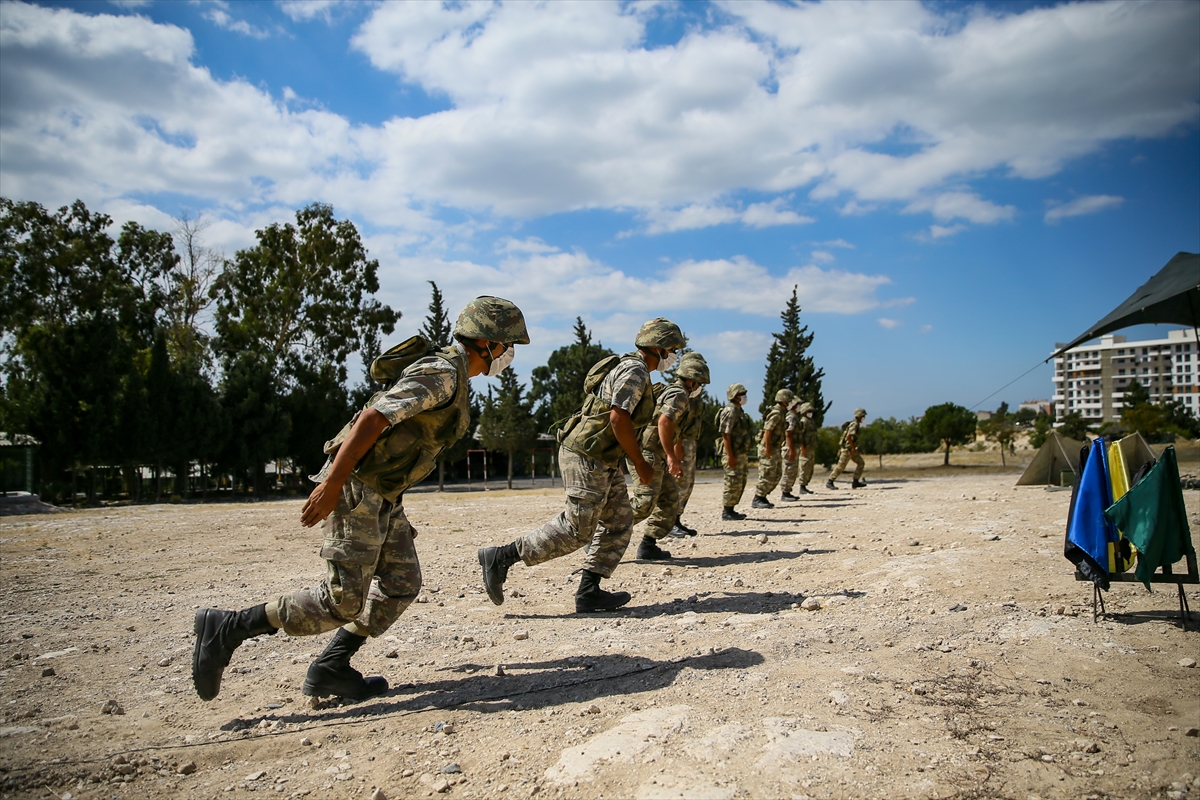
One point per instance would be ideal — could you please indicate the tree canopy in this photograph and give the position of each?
(949, 424)
(789, 368)
(556, 389)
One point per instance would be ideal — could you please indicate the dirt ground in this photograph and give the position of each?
(953, 655)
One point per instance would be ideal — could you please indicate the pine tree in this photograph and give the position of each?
(506, 423)
(557, 388)
(437, 328)
(789, 368)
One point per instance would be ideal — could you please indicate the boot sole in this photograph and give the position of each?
(312, 690)
(486, 588)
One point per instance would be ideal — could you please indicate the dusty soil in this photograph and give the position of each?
(714, 683)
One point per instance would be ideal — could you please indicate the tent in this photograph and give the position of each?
(1056, 455)
(1171, 297)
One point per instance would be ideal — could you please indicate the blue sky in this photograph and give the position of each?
(953, 187)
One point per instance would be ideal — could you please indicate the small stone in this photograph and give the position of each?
(1087, 746)
(739, 582)
(1047, 758)
(1192, 732)
(1187, 663)
(521, 636)
(915, 543)
(393, 653)
(442, 786)
(255, 776)
(1060, 610)
(48, 672)
(165, 661)
(378, 794)
(592, 709)
(124, 769)
(499, 671)
(306, 741)
(187, 768)
(112, 707)
(992, 538)
(468, 638)
(811, 604)
(761, 538)
(451, 769)
(408, 773)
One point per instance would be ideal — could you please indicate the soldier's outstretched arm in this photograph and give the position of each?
(622, 426)
(362, 437)
(728, 438)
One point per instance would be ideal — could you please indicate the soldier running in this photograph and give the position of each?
(770, 459)
(848, 451)
(372, 571)
(616, 407)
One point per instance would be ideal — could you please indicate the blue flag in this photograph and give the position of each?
(1088, 530)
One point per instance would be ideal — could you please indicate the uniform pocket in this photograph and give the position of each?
(353, 536)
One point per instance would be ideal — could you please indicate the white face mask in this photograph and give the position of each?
(665, 363)
(696, 392)
(501, 362)
(808, 414)
(741, 400)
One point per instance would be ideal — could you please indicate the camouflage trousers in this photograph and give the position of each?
(658, 501)
(735, 479)
(597, 511)
(688, 480)
(372, 572)
(802, 467)
(769, 470)
(844, 458)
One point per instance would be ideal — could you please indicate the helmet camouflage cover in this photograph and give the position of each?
(805, 407)
(734, 390)
(784, 396)
(860, 412)
(693, 367)
(660, 332)
(492, 319)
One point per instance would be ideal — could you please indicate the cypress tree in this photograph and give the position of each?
(789, 368)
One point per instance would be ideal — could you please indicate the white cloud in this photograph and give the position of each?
(531, 245)
(757, 215)
(218, 14)
(732, 346)
(943, 231)
(1088, 204)
(821, 256)
(842, 243)
(890, 324)
(561, 106)
(925, 328)
(130, 4)
(308, 10)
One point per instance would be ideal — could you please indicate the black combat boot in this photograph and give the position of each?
(495, 562)
(683, 528)
(590, 597)
(218, 634)
(858, 484)
(331, 673)
(649, 550)
(805, 490)
(728, 513)
(761, 502)
(829, 484)
(788, 497)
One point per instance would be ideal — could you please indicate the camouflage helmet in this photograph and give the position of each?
(734, 390)
(492, 319)
(860, 412)
(660, 332)
(784, 396)
(695, 368)
(805, 407)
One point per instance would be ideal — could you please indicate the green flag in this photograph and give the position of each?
(1154, 518)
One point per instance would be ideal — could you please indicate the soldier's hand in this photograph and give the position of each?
(732, 461)
(675, 467)
(644, 471)
(320, 503)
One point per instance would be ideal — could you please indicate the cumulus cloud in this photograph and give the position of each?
(943, 231)
(308, 10)
(731, 346)
(757, 215)
(563, 106)
(890, 324)
(218, 14)
(1088, 204)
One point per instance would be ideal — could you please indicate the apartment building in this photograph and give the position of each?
(1091, 378)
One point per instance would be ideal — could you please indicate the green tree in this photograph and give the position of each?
(1000, 429)
(789, 368)
(437, 327)
(1074, 427)
(290, 311)
(882, 437)
(556, 389)
(1135, 395)
(1042, 425)
(506, 421)
(828, 439)
(949, 424)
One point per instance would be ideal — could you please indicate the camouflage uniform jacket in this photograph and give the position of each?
(850, 434)
(626, 386)
(776, 424)
(673, 404)
(693, 423)
(733, 420)
(806, 433)
(428, 410)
